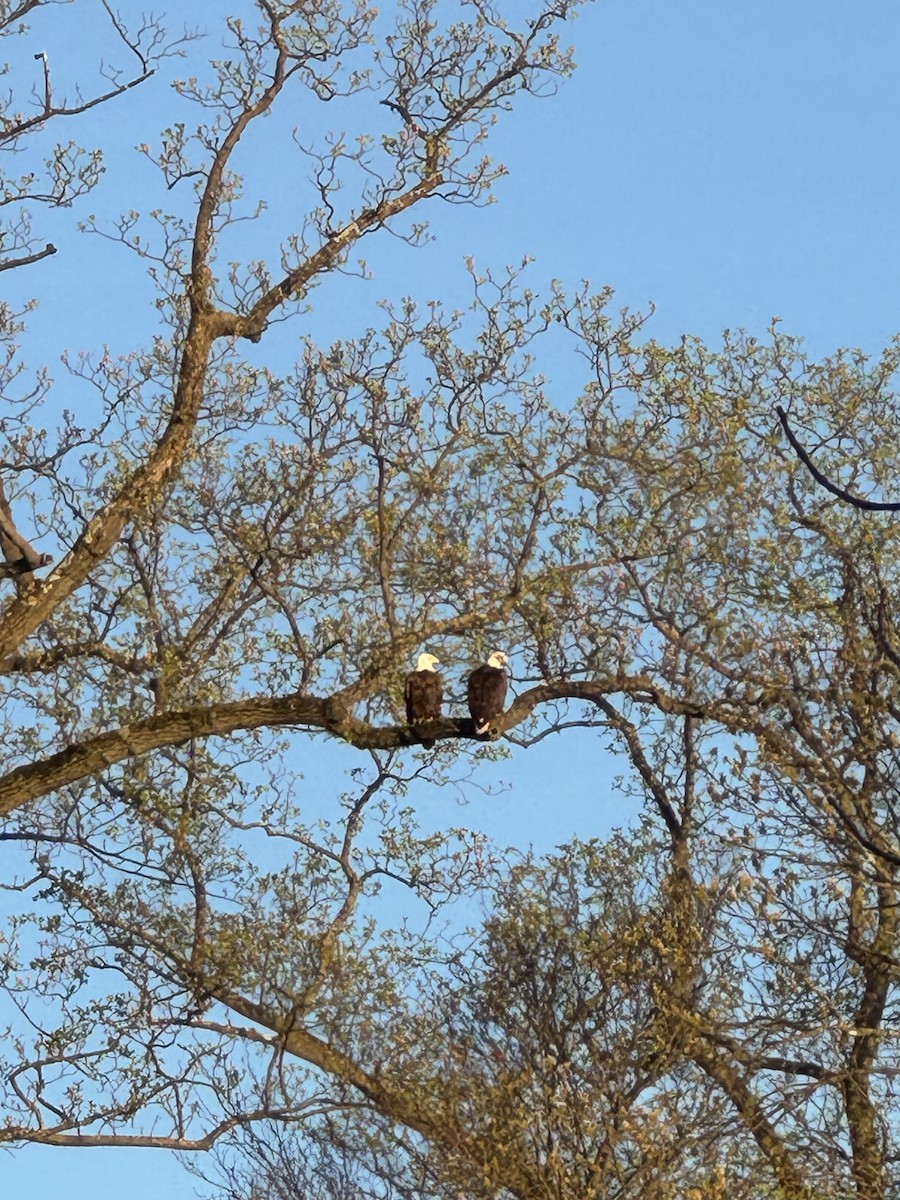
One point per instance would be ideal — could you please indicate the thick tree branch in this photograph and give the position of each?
(26, 613)
(416, 1108)
(252, 325)
(738, 1090)
(26, 259)
(331, 714)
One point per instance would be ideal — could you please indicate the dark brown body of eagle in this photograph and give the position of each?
(487, 692)
(424, 693)
(19, 556)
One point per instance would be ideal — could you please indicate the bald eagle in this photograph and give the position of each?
(424, 693)
(19, 556)
(487, 692)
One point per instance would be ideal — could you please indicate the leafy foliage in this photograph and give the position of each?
(216, 947)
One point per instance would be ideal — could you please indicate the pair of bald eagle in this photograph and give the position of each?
(487, 692)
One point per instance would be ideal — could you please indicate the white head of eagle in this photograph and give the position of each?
(487, 692)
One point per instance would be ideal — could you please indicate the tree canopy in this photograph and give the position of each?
(255, 533)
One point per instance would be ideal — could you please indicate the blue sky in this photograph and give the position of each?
(729, 162)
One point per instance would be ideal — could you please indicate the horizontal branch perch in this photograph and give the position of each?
(58, 1137)
(31, 780)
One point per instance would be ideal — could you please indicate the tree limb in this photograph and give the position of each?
(824, 481)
